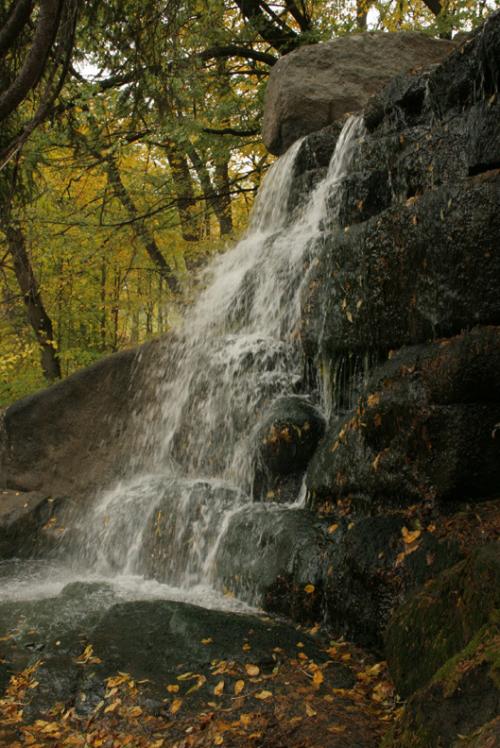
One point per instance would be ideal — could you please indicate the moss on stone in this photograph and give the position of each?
(441, 619)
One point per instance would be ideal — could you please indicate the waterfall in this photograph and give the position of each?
(190, 477)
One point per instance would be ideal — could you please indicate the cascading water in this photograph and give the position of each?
(190, 476)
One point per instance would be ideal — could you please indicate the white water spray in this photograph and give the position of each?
(236, 352)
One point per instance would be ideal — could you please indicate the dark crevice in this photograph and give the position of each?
(482, 168)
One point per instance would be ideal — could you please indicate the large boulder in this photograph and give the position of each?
(286, 441)
(318, 84)
(425, 428)
(70, 437)
(443, 649)
(28, 523)
(416, 271)
(459, 708)
(440, 620)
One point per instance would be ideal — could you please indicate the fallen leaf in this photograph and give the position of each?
(207, 641)
(200, 681)
(252, 670)
(332, 528)
(175, 706)
(410, 536)
(173, 688)
(219, 688)
(111, 707)
(309, 589)
(238, 687)
(263, 695)
(318, 678)
(310, 711)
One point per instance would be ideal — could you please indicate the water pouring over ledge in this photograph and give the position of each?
(189, 480)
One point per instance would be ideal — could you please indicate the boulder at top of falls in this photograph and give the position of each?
(318, 84)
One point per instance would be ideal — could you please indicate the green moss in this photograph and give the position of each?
(441, 619)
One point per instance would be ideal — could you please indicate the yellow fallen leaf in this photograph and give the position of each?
(219, 688)
(373, 400)
(263, 695)
(318, 678)
(200, 681)
(376, 669)
(185, 676)
(382, 691)
(409, 536)
(111, 707)
(135, 711)
(173, 688)
(309, 588)
(218, 740)
(238, 687)
(207, 641)
(310, 711)
(117, 680)
(175, 706)
(252, 670)
(246, 719)
(332, 528)
(246, 647)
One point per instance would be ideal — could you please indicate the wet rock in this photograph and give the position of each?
(460, 705)
(28, 522)
(311, 163)
(318, 84)
(275, 557)
(425, 428)
(415, 272)
(87, 634)
(286, 441)
(370, 568)
(70, 437)
(470, 74)
(439, 621)
(187, 515)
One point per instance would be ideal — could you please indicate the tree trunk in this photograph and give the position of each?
(139, 226)
(220, 204)
(38, 317)
(223, 199)
(187, 205)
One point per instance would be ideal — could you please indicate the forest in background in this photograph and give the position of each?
(130, 153)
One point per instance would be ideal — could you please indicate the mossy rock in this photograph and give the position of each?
(440, 619)
(460, 705)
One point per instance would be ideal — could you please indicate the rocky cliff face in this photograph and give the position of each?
(401, 319)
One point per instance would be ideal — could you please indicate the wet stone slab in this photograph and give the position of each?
(98, 660)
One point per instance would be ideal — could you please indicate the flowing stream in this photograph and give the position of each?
(163, 529)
